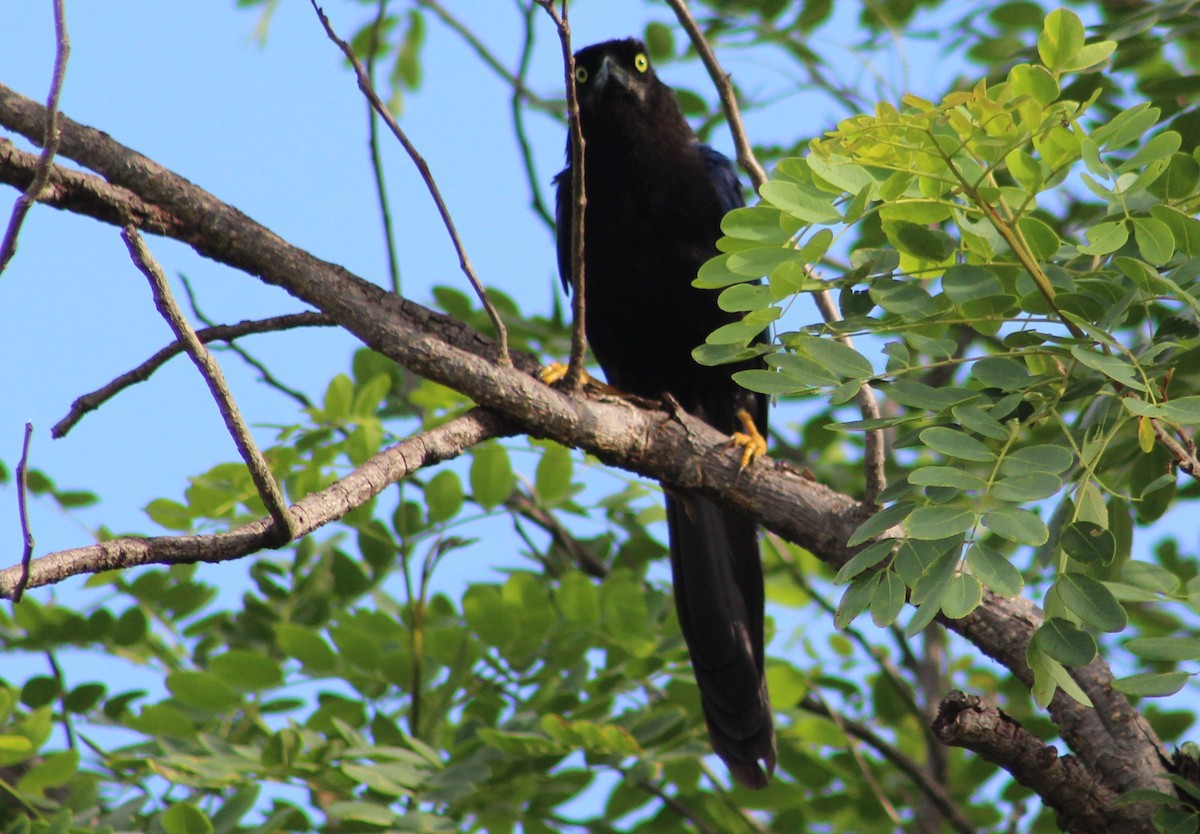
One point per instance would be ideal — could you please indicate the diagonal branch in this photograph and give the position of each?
(311, 512)
(23, 512)
(8, 246)
(1083, 804)
(260, 470)
(368, 90)
(221, 333)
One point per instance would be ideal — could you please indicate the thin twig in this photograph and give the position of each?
(8, 247)
(729, 102)
(23, 512)
(62, 698)
(260, 470)
(574, 377)
(364, 84)
(874, 449)
(863, 766)
(931, 788)
(314, 510)
(516, 82)
(377, 158)
(221, 333)
(264, 373)
(1185, 459)
(517, 106)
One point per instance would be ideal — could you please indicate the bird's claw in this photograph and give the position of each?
(557, 371)
(751, 442)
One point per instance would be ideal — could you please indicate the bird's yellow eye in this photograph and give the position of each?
(581, 75)
(640, 62)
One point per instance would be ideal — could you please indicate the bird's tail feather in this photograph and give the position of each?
(717, 575)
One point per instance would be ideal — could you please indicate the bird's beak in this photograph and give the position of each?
(610, 72)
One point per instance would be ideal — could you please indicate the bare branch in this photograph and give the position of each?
(729, 102)
(260, 470)
(574, 377)
(8, 246)
(23, 512)
(517, 106)
(364, 84)
(311, 512)
(1083, 803)
(220, 333)
(85, 194)
(385, 214)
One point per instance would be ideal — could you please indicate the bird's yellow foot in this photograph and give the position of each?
(753, 444)
(556, 371)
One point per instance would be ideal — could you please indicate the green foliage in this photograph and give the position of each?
(1017, 264)
(1084, 330)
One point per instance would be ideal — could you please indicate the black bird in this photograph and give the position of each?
(655, 198)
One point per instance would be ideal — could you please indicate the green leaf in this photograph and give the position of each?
(1053, 460)
(1042, 240)
(1154, 240)
(1112, 366)
(492, 479)
(1090, 55)
(761, 224)
(939, 522)
(994, 570)
(881, 522)
(1105, 238)
(866, 558)
(946, 476)
(1165, 648)
(979, 421)
(1029, 486)
(305, 645)
(856, 599)
(1152, 684)
(169, 514)
(183, 818)
(807, 205)
(1063, 641)
(553, 477)
(888, 599)
(53, 771)
(964, 283)
(201, 690)
(1001, 372)
(443, 496)
(339, 397)
(1061, 39)
(842, 359)
(1130, 125)
(774, 383)
(955, 444)
(919, 241)
(246, 670)
(962, 596)
(1086, 542)
(1091, 601)
(1017, 525)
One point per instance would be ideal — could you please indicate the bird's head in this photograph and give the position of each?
(615, 74)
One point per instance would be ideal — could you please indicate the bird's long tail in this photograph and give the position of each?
(718, 582)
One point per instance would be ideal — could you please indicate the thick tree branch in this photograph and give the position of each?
(220, 333)
(311, 512)
(1082, 803)
(681, 452)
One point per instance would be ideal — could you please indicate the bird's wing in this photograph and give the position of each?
(724, 178)
(562, 223)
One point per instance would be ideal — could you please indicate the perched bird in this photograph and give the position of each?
(655, 198)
